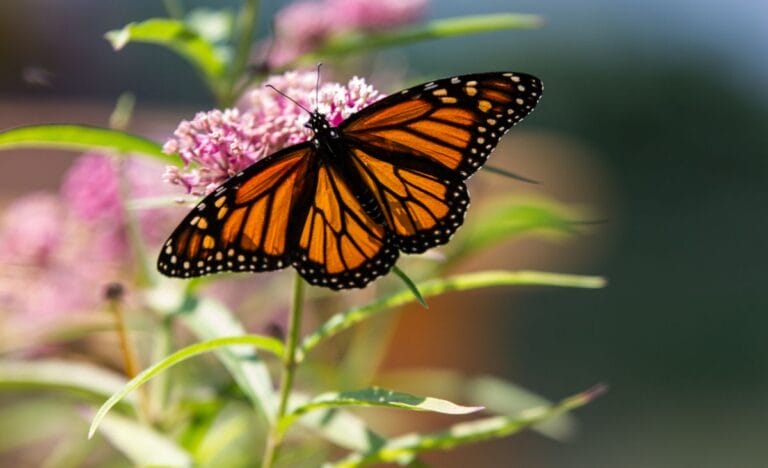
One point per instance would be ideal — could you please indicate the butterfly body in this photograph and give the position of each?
(340, 207)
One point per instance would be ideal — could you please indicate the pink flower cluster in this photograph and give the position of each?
(216, 145)
(60, 250)
(303, 26)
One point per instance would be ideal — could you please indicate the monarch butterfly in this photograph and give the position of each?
(341, 207)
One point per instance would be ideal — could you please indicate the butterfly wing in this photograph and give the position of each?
(413, 150)
(244, 224)
(339, 243)
(455, 122)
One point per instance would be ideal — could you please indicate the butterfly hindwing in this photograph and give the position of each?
(339, 243)
(243, 224)
(421, 202)
(456, 122)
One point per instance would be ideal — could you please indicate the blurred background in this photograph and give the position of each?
(654, 119)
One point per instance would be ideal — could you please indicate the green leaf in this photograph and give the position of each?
(343, 429)
(263, 342)
(355, 42)
(377, 397)
(32, 421)
(82, 138)
(507, 219)
(499, 397)
(143, 445)
(81, 379)
(404, 447)
(434, 287)
(214, 26)
(411, 285)
(180, 38)
(209, 319)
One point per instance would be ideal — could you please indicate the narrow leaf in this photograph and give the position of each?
(178, 37)
(510, 174)
(209, 319)
(406, 446)
(512, 218)
(499, 397)
(81, 138)
(264, 342)
(378, 397)
(143, 445)
(85, 380)
(411, 285)
(355, 42)
(434, 287)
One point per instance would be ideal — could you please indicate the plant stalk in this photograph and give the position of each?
(275, 435)
(247, 18)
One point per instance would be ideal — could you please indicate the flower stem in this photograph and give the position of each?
(114, 296)
(289, 372)
(248, 17)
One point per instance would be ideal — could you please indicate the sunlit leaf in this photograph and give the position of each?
(403, 447)
(434, 287)
(143, 445)
(356, 42)
(262, 342)
(179, 37)
(82, 138)
(378, 397)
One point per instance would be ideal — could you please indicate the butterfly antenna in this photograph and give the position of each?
(317, 86)
(288, 97)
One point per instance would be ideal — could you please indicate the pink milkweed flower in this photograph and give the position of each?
(94, 192)
(303, 26)
(216, 145)
(53, 264)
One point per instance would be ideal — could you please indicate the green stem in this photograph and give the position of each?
(247, 18)
(289, 372)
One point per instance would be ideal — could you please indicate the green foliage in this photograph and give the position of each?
(179, 37)
(82, 138)
(356, 42)
(404, 447)
(345, 320)
(194, 420)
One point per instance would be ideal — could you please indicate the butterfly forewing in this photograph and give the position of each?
(456, 122)
(243, 224)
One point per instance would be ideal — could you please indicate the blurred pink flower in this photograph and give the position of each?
(222, 143)
(61, 251)
(91, 188)
(303, 26)
(52, 263)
